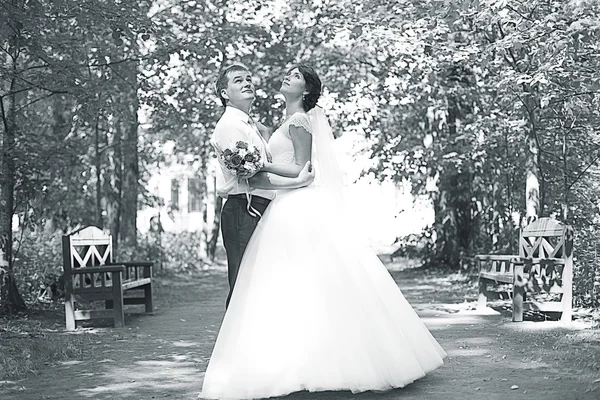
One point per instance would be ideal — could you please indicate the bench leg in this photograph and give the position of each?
(567, 297)
(69, 312)
(118, 313)
(518, 293)
(482, 299)
(148, 298)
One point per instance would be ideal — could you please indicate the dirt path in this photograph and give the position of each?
(164, 355)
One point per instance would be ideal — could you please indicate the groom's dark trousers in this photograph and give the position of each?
(237, 226)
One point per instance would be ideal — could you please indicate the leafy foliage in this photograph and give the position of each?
(489, 108)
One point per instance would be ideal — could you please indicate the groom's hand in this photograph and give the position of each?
(307, 175)
(266, 167)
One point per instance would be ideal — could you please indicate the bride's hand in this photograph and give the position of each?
(307, 175)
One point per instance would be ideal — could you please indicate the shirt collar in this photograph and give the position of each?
(233, 112)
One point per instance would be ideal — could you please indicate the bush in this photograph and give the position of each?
(38, 265)
(174, 252)
(39, 269)
(586, 268)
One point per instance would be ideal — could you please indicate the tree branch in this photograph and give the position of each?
(38, 86)
(35, 101)
(36, 67)
(15, 92)
(6, 51)
(573, 95)
(584, 171)
(519, 13)
(514, 63)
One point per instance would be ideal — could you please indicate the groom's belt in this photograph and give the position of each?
(255, 198)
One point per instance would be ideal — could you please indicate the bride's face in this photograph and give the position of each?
(293, 83)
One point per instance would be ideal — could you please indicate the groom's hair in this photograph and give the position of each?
(223, 79)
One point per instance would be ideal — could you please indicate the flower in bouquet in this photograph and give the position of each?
(244, 160)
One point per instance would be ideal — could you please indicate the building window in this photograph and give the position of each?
(175, 194)
(194, 195)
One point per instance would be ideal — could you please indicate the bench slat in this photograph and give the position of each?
(89, 290)
(134, 300)
(494, 257)
(506, 278)
(549, 306)
(134, 284)
(547, 260)
(106, 268)
(95, 296)
(144, 264)
(83, 315)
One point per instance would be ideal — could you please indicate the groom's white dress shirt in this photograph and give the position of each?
(235, 125)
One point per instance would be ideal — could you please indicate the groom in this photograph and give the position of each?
(235, 89)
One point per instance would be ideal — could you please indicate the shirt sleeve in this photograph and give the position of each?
(227, 136)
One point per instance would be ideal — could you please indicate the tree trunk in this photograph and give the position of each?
(98, 168)
(9, 292)
(509, 189)
(112, 184)
(128, 227)
(565, 203)
(532, 183)
(452, 202)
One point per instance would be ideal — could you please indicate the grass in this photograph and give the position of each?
(31, 342)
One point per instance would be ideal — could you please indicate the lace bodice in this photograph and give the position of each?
(281, 145)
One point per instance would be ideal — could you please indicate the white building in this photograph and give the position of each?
(384, 210)
(180, 190)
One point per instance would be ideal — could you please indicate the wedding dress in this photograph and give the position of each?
(313, 307)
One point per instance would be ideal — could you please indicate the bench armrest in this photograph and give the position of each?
(94, 270)
(144, 264)
(494, 257)
(543, 261)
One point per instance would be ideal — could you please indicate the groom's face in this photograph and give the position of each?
(240, 88)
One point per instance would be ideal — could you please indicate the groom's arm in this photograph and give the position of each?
(226, 138)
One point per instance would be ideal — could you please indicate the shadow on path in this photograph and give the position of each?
(165, 355)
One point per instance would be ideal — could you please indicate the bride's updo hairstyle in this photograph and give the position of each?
(313, 86)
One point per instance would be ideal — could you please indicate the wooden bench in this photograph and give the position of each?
(544, 264)
(92, 275)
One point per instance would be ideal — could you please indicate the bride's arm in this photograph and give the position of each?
(265, 131)
(284, 170)
(302, 141)
(263, 180)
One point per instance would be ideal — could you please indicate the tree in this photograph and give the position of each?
(38, 68)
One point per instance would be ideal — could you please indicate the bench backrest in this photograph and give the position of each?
(545, 238)
(87, 247)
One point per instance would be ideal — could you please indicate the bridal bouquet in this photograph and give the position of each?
(244, 160)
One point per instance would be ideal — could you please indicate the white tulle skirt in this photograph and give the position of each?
(315, 309)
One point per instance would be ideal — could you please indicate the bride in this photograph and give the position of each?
(313, 308)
